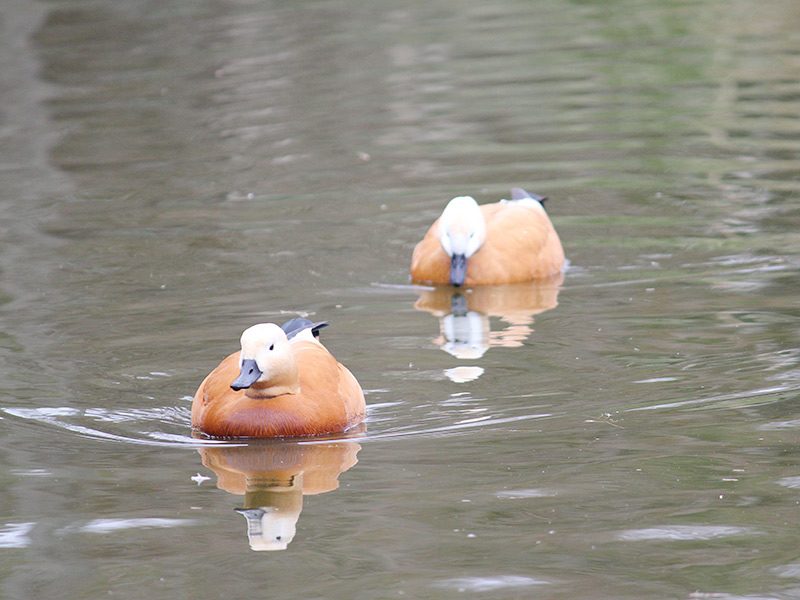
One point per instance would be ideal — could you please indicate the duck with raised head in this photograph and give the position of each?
(510, 241)
(278, 386)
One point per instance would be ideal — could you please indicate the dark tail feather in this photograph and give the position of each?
(317, 326)
(520, 194)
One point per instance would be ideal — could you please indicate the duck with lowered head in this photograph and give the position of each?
(510, 241)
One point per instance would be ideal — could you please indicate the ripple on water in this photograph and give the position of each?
(656, 380)
(488, 584)
(779, 425)
(15, 535)
(793, 483)
(680, 533)
(452, 416)
(65, 418)
(723, 596)
(112, 525)
(791, 570)
(732, 400)
(529, 493)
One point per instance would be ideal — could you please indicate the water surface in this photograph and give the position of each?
(173, 172)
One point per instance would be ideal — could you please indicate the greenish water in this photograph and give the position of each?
(173, 172)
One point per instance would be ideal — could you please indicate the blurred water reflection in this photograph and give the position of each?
(273, 477)
(464, 314)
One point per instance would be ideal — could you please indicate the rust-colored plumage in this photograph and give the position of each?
(520, 244)
(317, 395)
(266, 464)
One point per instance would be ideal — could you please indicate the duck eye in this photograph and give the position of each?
(272, 346)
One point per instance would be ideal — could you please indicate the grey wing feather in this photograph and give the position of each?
(294, 326)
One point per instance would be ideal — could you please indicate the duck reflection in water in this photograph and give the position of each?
(273, 476)
(464, 315)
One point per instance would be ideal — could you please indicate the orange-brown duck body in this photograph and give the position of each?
(300, 390)
(504, 242)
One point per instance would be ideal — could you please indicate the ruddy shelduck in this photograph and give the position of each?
(510, 241)
(278, 385)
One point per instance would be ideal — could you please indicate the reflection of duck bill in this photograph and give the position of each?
(273, 477)
(458, 304)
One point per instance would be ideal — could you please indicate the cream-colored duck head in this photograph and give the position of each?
(465, 335)
(272, 515)
(462, 231)
(266, 361)
(268, 529)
